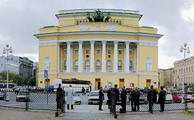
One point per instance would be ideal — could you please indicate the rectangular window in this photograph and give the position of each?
(76, 51)
(109, 52)
(98, 51)
(120, 52)
(87, 52)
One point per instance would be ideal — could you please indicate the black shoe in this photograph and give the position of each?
(71, 106)
(115, 116)
(100, 109)
(68, 106)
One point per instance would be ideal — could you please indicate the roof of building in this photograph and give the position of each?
(83, 12)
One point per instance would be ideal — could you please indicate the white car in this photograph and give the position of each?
(93, 97)
(169, 98)
(76, 99)
(22, 97)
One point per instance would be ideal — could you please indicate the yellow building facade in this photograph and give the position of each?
(104, 46)
(184, 72)
(166, 77)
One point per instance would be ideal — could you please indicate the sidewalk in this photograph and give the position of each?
(22, 115)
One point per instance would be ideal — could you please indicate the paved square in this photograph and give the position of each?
(83, 115)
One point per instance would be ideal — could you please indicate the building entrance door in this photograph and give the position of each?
(97, 83)
(121, 83)
(148, 83)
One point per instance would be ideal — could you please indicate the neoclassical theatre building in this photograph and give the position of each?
(103, 46)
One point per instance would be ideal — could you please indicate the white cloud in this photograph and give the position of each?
(188, 14)
(33, 57)
(22, 18)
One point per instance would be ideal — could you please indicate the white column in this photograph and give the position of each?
(103, 56)
(115, 56)
(127, 57)
(80, 57)
(92, 56)
(59, 58)
(68, 61)
(138, 55)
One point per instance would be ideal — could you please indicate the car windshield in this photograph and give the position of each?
(22, 93)
(94, 93)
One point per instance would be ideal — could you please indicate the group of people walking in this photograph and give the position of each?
(119, 97)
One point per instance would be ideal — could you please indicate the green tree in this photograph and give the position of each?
(18, 79)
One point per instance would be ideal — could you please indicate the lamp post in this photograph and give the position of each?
(7, 51)
(185, 50)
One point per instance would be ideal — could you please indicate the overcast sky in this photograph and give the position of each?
(20, 19)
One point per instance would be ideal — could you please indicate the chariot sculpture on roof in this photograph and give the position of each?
(98, 17)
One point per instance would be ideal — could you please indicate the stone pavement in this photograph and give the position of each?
(83, 115)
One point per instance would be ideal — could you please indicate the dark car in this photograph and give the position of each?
(2, 95)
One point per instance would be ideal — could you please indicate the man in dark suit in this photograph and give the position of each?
(162, 98)
(132, 95)
(136, 100)
(60, 99)
(151, 98)
(109, 99)
(114, 99)
(123, 100)
(101, 98)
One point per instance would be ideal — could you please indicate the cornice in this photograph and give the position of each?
(98, 32)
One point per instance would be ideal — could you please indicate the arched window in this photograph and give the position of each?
(120, 67)
(75, 66)
(148, 64)
(131, 65)
(87, 65)
(109, 66)
(98, 65)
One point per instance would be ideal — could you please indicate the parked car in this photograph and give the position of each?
(93, 97)
(189, 98)
(76, 99)
(22, 97)
(177, 98)
(2, 95)
(143, 98)
(169, 98)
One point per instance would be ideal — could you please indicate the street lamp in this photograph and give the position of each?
(185, 50)
(7, 51)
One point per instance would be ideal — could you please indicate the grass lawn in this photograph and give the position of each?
(190, 112)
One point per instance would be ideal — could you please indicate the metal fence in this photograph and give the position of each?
(41, 100)
(29, 100)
